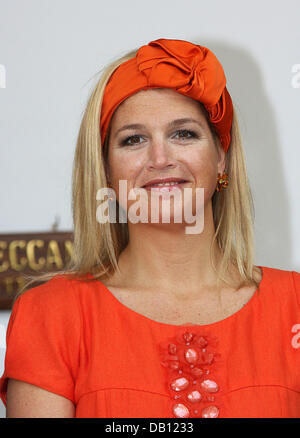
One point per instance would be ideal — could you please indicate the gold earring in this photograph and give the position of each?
(222, 181)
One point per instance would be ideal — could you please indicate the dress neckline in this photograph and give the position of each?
(226, 320)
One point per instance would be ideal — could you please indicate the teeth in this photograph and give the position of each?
(167, 183)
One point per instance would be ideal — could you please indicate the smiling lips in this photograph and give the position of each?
(165, 184)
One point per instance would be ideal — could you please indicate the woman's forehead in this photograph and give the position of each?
(156, 102)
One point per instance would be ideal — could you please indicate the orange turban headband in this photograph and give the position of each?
(187, 68)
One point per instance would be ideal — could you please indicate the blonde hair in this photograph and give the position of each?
(97, 246)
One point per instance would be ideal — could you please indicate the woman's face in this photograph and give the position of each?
(160, 144)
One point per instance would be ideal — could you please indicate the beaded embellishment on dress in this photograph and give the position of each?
(191, 362)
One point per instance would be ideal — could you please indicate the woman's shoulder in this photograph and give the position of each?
(59, 287)
(282, 281)
(281, 276)
(60, 292)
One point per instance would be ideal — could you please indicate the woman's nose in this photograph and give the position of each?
(159, 154)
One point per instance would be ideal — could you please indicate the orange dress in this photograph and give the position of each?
(77, 340)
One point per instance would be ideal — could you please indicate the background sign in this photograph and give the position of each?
(30, 254)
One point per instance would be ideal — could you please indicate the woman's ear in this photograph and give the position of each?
(221, 157)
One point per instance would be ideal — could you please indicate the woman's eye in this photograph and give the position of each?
(182, 134)
(132, 140)
(185, 134)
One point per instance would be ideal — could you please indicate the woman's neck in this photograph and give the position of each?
(165, 257)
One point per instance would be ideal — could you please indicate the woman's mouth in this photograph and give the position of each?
(166, 186)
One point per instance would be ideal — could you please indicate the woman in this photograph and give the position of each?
(150, 320)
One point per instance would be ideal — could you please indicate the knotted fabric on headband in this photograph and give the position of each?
(187, 68)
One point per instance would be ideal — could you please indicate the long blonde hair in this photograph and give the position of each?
(97, 246)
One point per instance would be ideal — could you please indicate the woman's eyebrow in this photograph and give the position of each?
(172, 124)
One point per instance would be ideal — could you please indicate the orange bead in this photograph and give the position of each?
(209, 386)
(181, 411)
(179, 384)
(210, 412)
